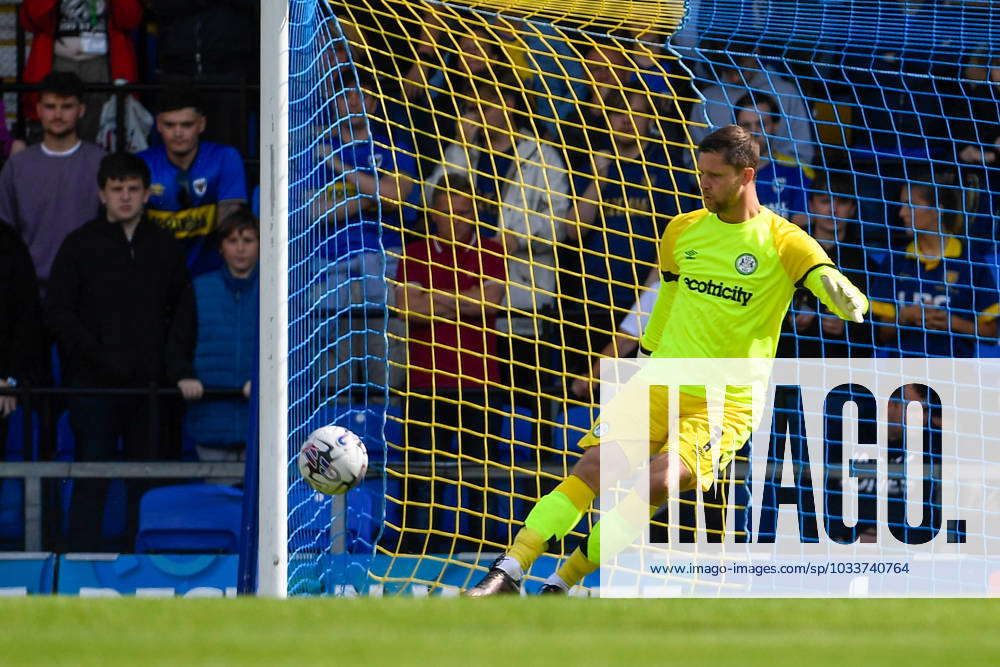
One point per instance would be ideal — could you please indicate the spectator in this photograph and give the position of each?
(365, 231)
(898, 111)
(521, 194)
(195, 183)
(585, 128)
(226, 302)
(47, 191)
(438, 81)
(545, 59)
(211, 43)
(747, 74)
(782, 184)
(450, 286)
(121, 309)
(625, 342)
(476, 55)
(21, 332)
(935, 297)
(810, 330)
(449, 289)
(977, 131)
(620, 217)
(661, 73)
(89, 38)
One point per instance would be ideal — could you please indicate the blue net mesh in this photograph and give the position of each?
(337, 365)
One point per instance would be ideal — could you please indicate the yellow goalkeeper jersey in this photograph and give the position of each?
(726, 286)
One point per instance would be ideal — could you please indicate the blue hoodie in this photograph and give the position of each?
(224, 355)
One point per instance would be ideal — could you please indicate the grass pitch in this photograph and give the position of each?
(509, 632)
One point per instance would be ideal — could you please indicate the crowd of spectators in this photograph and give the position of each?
(512, 189)
(579, 194)
(124, 273)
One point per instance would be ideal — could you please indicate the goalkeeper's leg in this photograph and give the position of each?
(552, 517)
(618, 528)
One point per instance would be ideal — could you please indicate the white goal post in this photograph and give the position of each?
(272, 550)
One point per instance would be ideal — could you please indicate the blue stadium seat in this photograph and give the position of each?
(12, 490)
(14, 447)
(571, 425)
(366, 506)
(514, 445)
(11, 513)
(516, 437)
(65, 439)
(368, 511)
(451, 520)
(201, 518)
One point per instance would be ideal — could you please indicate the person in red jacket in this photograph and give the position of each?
(87, 37)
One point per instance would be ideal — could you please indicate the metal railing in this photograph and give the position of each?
(27, 396)
(34, 472)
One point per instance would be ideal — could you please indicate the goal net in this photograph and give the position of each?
(475, 196)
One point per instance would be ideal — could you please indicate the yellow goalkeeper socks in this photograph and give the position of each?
(553, 516)
(619, 527)
(576, 567)
(528, 546)
(580, 564)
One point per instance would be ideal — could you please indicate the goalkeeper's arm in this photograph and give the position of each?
(837, 293)
(658, 318)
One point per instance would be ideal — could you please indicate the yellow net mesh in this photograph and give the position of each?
(560, 132)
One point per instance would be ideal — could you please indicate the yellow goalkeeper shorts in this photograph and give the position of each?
(693, 447)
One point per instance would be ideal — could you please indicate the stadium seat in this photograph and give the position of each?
(366, 505)
(516, 437)
(14, 447)
(12, 490)
(571, 425)
(199, 518)
(448, 518)
(514, 445)
(11, 513)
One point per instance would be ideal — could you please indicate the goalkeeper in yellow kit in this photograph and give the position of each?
(728, 274)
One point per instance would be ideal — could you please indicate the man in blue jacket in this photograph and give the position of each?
(227, 321)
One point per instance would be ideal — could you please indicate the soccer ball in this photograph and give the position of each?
(333, 460)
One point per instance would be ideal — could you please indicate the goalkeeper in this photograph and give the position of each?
(728, 274)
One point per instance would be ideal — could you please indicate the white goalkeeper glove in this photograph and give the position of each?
(838, 294)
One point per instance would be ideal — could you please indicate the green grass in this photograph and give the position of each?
(559, 632)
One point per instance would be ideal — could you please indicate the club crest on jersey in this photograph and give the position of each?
(200, 186)
(746, 264)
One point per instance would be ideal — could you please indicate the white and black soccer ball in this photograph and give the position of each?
(333, 460)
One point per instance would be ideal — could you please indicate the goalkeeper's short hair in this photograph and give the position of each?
(734, 144)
